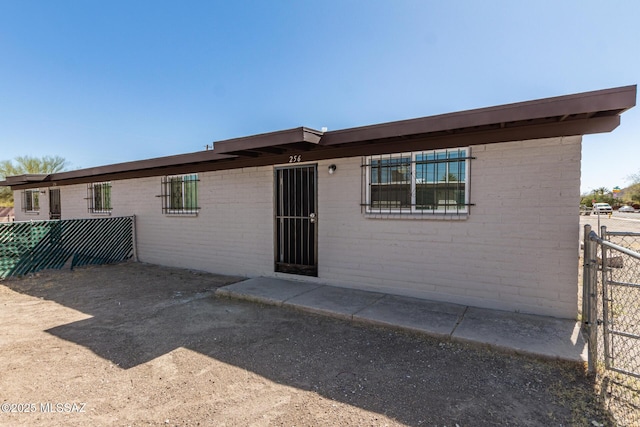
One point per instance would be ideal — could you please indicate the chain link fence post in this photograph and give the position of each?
(589, 297)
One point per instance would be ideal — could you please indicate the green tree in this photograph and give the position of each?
(600, 195)
(27, 165)
(632, 192)
(602, 191)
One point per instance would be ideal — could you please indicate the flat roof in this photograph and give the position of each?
(577, 114)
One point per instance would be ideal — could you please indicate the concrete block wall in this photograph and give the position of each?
(517, 249)
(42, 214)
(232, 233)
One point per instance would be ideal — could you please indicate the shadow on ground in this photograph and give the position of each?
(141, 312)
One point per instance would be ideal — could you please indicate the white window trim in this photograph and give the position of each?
(412, 210)
(31, 192)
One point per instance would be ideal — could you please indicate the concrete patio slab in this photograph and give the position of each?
(333, 301)
(524, 333)
(433, 318)
(267, 290)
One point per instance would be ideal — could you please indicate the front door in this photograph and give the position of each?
(296, 220)
(55, 211)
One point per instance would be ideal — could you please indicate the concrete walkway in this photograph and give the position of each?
(522, 333)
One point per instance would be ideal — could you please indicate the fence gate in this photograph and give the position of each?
(611, 318)
(621, 302)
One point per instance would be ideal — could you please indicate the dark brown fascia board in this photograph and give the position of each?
(268, 140)
(613, 101)
(24, 179)
(486, 136)
(139, 165)
(286, 137)
(493, 124)
(558, 129)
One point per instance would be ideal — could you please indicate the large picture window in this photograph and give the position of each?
(180, 194)
(99, 197)
(419, 182)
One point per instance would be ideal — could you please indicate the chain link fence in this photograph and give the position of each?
(30, 246)
(611, 314)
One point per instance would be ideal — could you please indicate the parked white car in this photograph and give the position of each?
(602, 208)
(626, 208)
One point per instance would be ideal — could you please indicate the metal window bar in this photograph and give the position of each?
(446, 193)
(388, 180)
(179, 194)
(99, 197)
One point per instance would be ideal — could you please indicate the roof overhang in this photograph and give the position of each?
(24, 179)
(301, 138)
(578, 114)
(556, 112)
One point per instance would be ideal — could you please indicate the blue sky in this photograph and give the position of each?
(114, 81)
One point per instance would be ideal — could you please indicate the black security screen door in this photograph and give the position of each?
(55, 210)
(296, 220)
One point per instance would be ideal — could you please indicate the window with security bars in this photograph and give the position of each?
(99, 197)
(31, 200)
(180, 194)
(424, 182)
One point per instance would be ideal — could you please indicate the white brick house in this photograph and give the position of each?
(478, 207)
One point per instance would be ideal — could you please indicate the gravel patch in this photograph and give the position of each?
(139, 345)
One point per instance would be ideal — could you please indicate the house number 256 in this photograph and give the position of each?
(295, 159)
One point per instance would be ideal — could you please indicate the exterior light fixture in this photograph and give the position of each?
(332, 169)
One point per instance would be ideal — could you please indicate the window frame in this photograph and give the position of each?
(413, 208)
(188, 198)
(369, 170)
(104, 204)
(33, 206)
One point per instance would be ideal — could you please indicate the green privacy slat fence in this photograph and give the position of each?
(27, 247)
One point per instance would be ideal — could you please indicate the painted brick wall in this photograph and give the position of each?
(516, 250)
(232, 234)
(17, 206)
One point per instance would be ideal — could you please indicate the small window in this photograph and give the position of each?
(425, 182)
(99, 197)
(31, 200)
(180, 194)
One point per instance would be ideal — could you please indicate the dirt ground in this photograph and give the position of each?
(136, 344)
